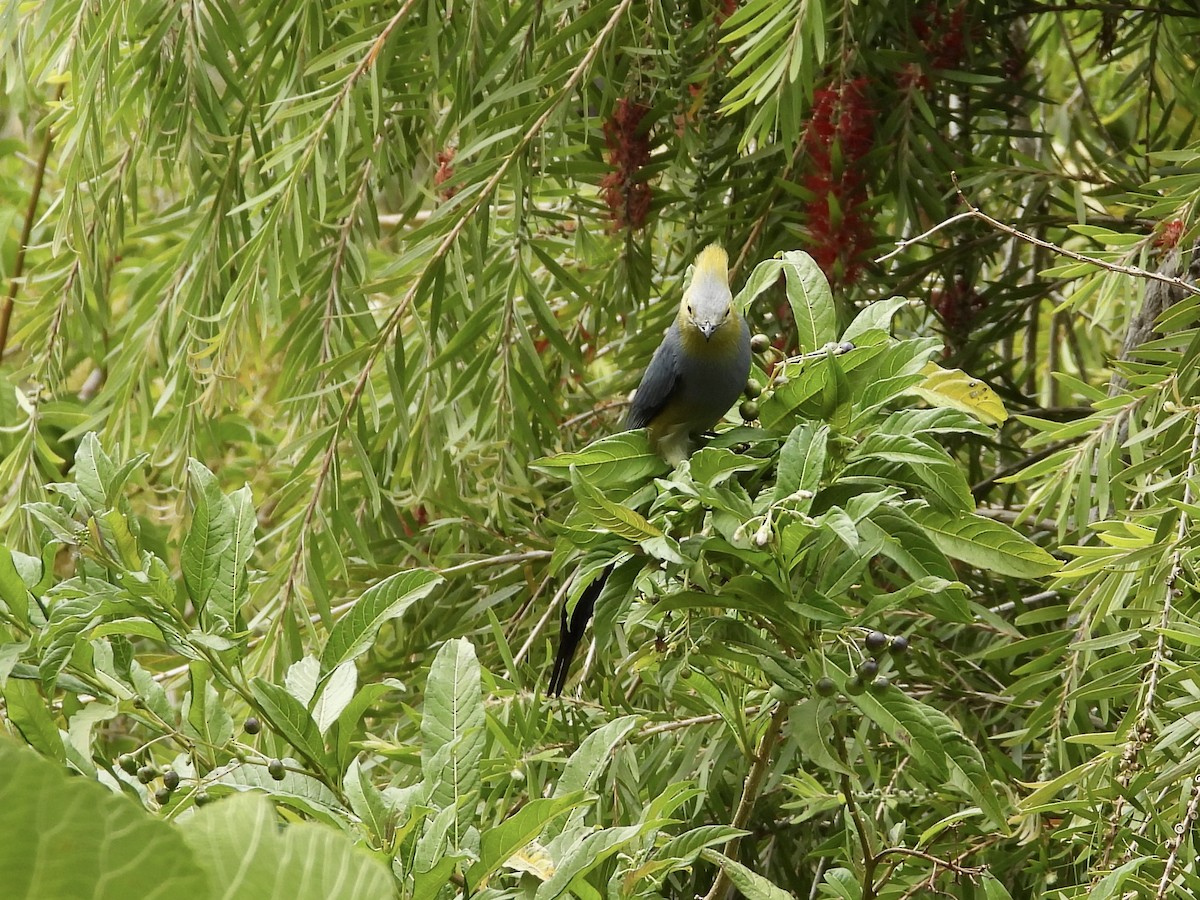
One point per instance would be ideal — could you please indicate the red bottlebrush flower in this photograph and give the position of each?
(958, 305)
(1168, 234)
(725, 9)
(444, 173)
(840, 132)
(942, 37)
(624, 190)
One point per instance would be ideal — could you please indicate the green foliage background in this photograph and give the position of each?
(309, 307)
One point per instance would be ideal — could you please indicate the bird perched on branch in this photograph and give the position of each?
(695, 375)
(700, 367)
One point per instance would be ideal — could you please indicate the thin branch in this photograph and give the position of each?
(981, 488)
(439, 254)
(680, 724)
(750, 791)
(1181, 833)
(14, 284)
(974, 212)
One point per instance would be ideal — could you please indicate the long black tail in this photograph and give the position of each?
(571, 629)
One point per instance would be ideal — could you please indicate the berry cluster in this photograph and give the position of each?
(867, 676)
(840, 132)
(624, 190)
(147, 773)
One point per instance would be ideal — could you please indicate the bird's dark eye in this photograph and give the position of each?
(691, 312)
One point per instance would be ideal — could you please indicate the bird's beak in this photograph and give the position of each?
(707, 330)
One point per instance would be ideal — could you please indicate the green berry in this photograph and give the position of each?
(203, 798)
(127, 762)
(162, 796)
(899, 644)
(880, 684)
(275, 768)
(825, 686)
(252, 725)
(876, 641)
(752, 389)
(147, 774)
(170, 779)
(854, 686)
(868, 670)
(748, 410)
(760, 343)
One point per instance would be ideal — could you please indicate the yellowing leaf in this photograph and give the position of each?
(955, 389)
(533, 859)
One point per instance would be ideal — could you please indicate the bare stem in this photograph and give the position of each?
(974, 212)
(750, 791)
(14, 283)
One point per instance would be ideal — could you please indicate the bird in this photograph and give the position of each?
(698, 372)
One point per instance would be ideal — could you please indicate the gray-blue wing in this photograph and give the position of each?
(659, 382)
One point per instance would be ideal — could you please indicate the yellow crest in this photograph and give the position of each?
(713, 263)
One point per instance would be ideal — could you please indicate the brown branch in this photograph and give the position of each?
(750, 791)
(1176, 842)
(39, 177)
(974, 212)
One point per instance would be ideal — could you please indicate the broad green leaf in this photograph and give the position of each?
(248, 856)
(498, 844)
(13, 591)
(955, 389)
(353, 634)
(875, 316)
(935, 475)
(208, 537)
(984, 543)
(203, 714)
(903, 719)
(802, 463)
(335, 695)
(93, 469)
(26, 709)
(764, 277)
(751, 885)
(453, 730)
(809, 723)
(285, 713)
(71, 838)
(620, 459)
(584, 855)
(590, 759)
(811, 300)
(608, 515)
(232, 580)
(968, 772)
(686, 847)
